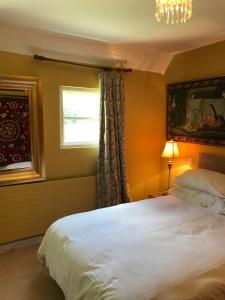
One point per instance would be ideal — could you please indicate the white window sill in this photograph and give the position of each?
(71, 146)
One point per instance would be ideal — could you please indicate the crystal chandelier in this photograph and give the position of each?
(174, 11)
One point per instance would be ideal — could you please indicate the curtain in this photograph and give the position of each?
(111, 169)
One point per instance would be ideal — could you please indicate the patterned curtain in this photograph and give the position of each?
(111, 170)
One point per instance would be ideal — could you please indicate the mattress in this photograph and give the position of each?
(133, 251)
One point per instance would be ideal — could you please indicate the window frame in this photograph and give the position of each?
(62, 118)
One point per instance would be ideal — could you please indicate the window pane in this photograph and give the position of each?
(81, 131)
(78, 103)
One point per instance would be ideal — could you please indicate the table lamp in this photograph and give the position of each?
(170, 151)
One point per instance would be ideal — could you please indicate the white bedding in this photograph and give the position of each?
(132, 251)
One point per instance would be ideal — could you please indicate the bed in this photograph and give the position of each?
(140, 250)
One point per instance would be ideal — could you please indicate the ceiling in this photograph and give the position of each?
(126, 23)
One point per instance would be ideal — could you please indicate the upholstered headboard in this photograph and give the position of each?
(212, 162)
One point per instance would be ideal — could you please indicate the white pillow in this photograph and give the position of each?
(199, 198)
(194, 196)
(203, 180)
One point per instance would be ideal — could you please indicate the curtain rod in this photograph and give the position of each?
(40, 57)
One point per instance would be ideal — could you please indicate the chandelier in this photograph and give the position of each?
(174, 11)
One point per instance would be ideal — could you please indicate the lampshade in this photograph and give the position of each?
(170, 150)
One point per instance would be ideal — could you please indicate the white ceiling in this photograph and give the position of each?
(124, 23)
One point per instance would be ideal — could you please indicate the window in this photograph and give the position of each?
(79, 116)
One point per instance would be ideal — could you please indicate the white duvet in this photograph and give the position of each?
(132, 251)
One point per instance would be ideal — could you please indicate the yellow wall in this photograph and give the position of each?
(200, 63)
(145, 103)
(28, 209)
(59, 163)
(145, 120)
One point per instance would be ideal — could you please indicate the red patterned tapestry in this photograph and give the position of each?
(15, 144)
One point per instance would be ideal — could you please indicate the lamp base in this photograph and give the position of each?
(170, 164)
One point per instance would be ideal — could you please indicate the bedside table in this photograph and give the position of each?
(157, 194)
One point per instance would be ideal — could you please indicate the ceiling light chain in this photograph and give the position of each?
(174, 11)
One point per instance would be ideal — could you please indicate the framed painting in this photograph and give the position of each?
(21, 131)
(196, 111)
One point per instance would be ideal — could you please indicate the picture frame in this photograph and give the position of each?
(196, 111)
(21, 131)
